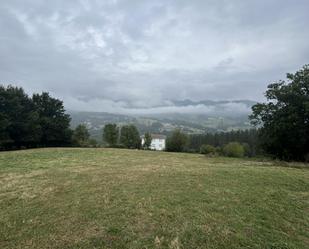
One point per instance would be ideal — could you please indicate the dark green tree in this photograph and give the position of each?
(147, 141)
(19, 126)
(129, 137)
(177, 141)
(284, 118)
(81, 136)
(53, 120)
(110, 134)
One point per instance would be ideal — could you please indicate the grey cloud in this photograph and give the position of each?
(137, 55)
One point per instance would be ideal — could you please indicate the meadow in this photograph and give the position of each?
(115, 198)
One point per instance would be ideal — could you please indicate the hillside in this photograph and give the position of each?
(192, 117)
(109, 198)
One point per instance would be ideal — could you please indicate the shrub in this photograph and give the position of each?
(247, 150)
(207, 149)
(234, 149)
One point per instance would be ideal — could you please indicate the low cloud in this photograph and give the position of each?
(138, 55)
(121, 107)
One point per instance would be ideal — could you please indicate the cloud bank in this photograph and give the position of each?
(126, 56)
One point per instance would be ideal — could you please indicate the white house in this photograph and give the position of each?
(157, 141)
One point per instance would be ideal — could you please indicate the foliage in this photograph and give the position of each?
(147, 141)
(81, 136)
(53, 121)
(284, 118)
(208, 149)
(218, 140)
(31, 122)
(247, 149)
(93, 143)
(234, 149)
(177, 141)
(129, 137)
(18, 118)
(111, 134)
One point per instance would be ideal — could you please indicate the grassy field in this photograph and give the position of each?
(108, 198)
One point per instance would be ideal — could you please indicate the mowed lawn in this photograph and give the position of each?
(113, 198)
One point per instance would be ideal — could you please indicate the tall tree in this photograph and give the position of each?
(129, 137)
(53, 120)
(177, 141)
(284, 118)
(147, 140)
(18, 119)
(81, 136)
(110, 134)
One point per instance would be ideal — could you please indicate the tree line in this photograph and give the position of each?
(245, 143)
(282, 125)
(126, 136)
(249, 139)
(36, 121)
(40, 121)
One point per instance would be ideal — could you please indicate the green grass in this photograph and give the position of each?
(108, 198)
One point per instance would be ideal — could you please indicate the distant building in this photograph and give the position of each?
(157, 142)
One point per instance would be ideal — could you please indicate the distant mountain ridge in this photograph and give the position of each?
(188, 102)
(223, 116)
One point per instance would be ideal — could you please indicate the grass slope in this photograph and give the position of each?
(106, 198)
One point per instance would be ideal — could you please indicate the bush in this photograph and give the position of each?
(247, 150)
(234, 149)
(207, 149)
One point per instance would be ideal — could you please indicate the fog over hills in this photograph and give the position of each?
(193, 117)
(186, 106)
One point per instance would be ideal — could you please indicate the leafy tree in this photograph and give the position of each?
(53, 121)
(147, 140)
(81, 136)
(234, 149)
(176, 142)
(110, 134)
(18, 119)
(130, 137)
(284, 118)
(208, 149)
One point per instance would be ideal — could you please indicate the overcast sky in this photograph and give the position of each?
(117, 54)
